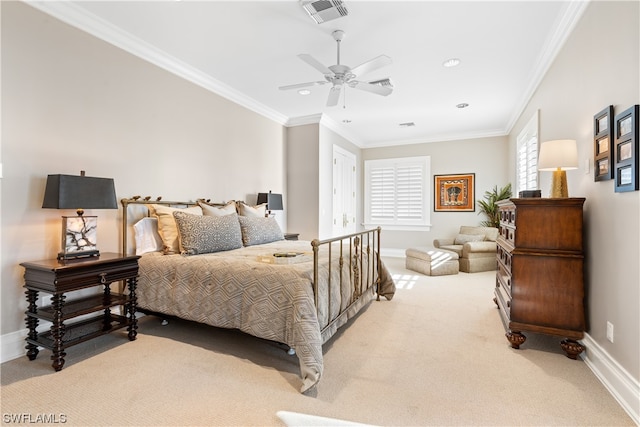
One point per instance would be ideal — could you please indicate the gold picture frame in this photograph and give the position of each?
(454, 193)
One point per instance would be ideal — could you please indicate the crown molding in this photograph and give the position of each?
(304, 120)
(441, 138)
(80, 18)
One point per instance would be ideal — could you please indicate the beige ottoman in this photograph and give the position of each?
(431, 261)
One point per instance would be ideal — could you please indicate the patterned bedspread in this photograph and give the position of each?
(235, 289)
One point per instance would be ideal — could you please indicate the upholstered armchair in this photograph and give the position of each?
(476, 248)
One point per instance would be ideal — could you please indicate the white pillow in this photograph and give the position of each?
(209, 210)
(259, 211)
(146, 236)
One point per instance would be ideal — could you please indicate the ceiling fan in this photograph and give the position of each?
(339, 75)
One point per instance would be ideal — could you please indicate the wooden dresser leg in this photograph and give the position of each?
(515, 338)
(572, 348)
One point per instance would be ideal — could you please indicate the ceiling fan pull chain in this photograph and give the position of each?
(344, 99)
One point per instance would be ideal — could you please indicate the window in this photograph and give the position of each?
(397, 192)
(527, 156)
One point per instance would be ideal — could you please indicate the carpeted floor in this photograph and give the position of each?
(434, 355)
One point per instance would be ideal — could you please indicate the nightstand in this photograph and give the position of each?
(291, 236)
(60, 277)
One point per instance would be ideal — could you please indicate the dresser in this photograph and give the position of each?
(61, 279)
(540, 277)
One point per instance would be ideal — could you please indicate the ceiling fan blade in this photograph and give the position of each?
(334, 96)
(301, 85)
(374, 64)
(315, 63)
(380, 90)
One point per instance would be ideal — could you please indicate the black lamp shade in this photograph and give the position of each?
(79, 192)
(273, 201)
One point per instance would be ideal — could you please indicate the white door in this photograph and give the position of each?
(344, 191)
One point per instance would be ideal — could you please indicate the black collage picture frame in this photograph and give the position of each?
(603, 144)
(626, 150)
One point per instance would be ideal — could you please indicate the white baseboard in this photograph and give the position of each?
(392, 252)
(622, 386)
(12, 345)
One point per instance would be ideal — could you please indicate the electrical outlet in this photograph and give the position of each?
(610, 331)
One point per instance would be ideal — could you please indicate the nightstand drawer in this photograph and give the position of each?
(56, 277)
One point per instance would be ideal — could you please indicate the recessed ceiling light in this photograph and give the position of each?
(304, 91)
(406, 124)
(346, 121)
(462, 105)
(452, 62)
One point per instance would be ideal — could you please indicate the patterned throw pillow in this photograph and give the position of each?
(167, 224)
(461, 239)
(259, 230)
(206, 234)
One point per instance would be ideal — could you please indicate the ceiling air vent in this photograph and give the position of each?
(407, 125)
(324, 10)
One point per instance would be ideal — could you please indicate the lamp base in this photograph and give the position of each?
(62, 256)
(559, 189)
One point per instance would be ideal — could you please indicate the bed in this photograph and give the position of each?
(298, 293)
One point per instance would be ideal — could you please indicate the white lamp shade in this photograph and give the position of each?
(560, 153)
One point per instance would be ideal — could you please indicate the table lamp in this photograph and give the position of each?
(79, 233)
(558, 156)
(273, 201)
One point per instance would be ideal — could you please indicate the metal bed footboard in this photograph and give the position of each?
(363, 260)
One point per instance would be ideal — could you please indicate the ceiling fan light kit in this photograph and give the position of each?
(339, 74)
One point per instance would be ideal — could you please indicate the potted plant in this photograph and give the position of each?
(489, 206)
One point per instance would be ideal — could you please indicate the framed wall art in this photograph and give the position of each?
(603, 144)
(626, 150)
(454, 193)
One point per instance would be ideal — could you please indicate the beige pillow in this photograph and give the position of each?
(210, 210)
(461, 239)
(259, 211)
(167, 227)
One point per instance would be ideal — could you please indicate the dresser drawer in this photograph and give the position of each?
(503, 278)
(508, 215)
(504, 258)
(504, 301)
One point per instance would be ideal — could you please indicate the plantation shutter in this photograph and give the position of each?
(396, 191)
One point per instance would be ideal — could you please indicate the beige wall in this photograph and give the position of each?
(303, 145)
(593, 70)
(72, 102)
(485, 157)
